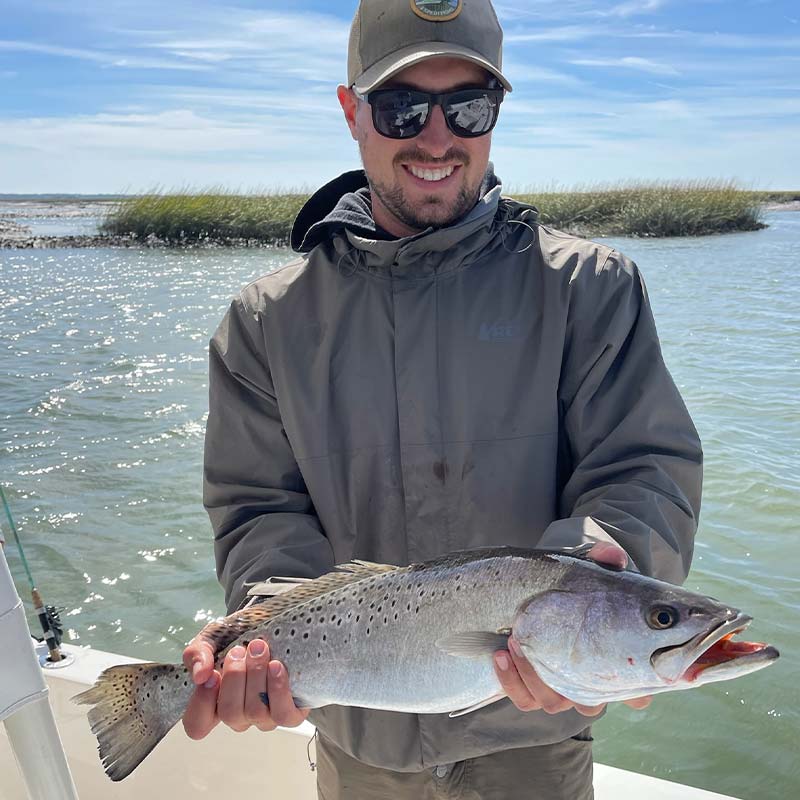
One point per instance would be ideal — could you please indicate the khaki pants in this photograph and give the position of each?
(560, 771)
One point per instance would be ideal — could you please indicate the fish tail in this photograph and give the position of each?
(133, 707)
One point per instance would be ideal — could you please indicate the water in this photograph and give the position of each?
(102, 409)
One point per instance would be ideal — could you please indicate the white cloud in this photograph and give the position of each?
(628, 62)
(634, 7)
(110, 59)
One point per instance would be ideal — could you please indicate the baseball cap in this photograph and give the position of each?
(389, 35)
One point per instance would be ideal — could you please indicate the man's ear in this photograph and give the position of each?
(349, 104)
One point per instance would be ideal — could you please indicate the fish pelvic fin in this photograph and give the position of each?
(133, 707)
(473, 644)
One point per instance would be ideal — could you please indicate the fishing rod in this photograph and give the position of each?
(48, 615)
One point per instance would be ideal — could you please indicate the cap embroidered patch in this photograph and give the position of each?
(437, 10)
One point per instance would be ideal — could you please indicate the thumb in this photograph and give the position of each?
(609, 553)
(198, 658)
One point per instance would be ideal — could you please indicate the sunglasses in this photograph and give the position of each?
(403, 113)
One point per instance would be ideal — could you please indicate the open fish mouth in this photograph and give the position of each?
(711, 653)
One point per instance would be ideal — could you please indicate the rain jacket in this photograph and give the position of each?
(494, 382)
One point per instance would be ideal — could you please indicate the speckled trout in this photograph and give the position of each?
(421, 638)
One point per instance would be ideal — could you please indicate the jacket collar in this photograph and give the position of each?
(341, 211)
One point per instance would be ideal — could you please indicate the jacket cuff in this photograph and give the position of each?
(575, 531)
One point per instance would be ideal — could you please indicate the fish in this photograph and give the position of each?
(421, 639)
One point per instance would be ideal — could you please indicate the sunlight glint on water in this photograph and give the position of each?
(102, 410)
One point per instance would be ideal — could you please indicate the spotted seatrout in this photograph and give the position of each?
(420, 639)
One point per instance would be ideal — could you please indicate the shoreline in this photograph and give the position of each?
(16, 236)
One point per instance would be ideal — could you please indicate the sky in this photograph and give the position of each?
(125, 96)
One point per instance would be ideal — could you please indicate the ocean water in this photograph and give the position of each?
(102, 411)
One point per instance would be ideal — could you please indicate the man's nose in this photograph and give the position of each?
(435, 137)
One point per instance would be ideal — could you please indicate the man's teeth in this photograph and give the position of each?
(431, 174)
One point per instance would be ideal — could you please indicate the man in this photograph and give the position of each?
(437, 372)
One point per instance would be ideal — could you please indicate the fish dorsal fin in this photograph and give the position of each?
(472, 644)
(291, 592)
(482, 704)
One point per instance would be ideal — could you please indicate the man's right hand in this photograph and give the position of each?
(234, 696)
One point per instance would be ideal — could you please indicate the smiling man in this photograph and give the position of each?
(438, 371)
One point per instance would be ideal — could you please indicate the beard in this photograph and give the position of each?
(433, 211)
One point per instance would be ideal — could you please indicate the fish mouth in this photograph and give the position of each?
(710, 654)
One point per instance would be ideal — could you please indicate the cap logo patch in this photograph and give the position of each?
(437, 10)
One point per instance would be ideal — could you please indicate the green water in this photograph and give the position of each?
(102, 411)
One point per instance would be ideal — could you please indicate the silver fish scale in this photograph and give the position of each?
(373, 643)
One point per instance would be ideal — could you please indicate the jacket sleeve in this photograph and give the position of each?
(630, 462)
(261, 513)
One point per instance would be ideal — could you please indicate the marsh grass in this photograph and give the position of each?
(653, 209)
(691, 208)
(216, 215)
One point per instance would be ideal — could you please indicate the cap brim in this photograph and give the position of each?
(389, 66)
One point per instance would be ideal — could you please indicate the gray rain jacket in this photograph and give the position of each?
(494, 382)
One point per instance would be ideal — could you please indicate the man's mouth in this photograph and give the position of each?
(428, 175)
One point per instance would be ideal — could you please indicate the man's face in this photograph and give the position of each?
(404, 203)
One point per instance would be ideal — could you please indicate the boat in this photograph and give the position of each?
(56, 753)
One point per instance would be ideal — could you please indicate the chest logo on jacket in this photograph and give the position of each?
(499, 332)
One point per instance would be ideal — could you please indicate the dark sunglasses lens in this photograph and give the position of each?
(472, 112)
(400, 114)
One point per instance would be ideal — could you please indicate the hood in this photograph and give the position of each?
(345, 204)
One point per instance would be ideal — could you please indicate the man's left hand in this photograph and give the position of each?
(526, 690)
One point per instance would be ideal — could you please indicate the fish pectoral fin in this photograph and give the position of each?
(483, 703)
(473, 644)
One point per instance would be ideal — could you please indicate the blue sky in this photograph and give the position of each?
(129, 95)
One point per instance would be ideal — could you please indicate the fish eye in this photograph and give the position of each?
(662, 617)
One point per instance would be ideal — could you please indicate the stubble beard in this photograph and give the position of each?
(432, 211)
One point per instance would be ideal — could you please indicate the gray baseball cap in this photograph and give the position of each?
(389, 35)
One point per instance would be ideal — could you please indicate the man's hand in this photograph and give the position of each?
(234, 697)
(526, 690)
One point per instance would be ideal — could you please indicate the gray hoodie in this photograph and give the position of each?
(494, 382)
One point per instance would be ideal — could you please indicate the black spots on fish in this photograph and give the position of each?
(630, 661)
(276, 632)
(292, 632)
(408, 607)
(319, 655)
(308, 621)
(305, 635)
(322, 619)
(324, 637)
(288, 650)
(358, 617)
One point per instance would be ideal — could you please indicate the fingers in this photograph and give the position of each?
(256, 712)
(200, 716)
(590, 711)
(639, 702)
(551, 702)
(512, 683)
(230, 703)
(527, 690)
(198, 658)
(609, 553)
(281, 703)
